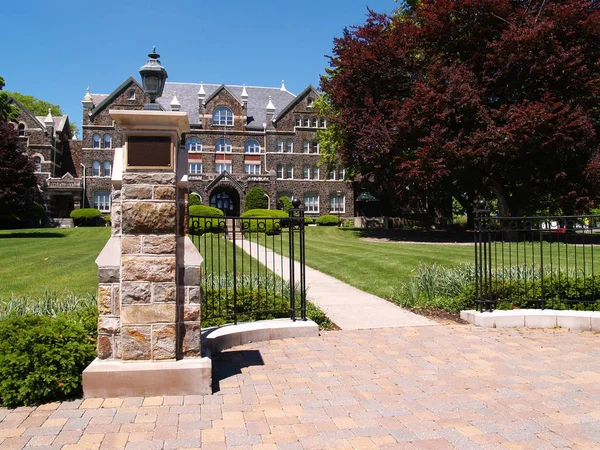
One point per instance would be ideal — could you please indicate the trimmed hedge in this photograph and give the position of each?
(256, 199)
(194, 200)
(42, 358)
(308, 220)
(198, 225)
(86, 217)
(270, 224)
(328, 220)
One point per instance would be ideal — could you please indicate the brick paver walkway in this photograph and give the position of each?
(423, 387)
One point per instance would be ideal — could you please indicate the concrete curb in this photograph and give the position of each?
(216, 339)
(534, 318)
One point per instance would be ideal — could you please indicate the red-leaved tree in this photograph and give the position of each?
(473, 97)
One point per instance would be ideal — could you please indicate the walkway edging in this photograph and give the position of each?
(534, 318)
(216, 339)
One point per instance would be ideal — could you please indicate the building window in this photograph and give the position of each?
(306, 122)
(107, 141)
(252, 146)
(252, 169)
(106, 169)
(289, 146)
(279, 172)
(315, 146)
(37, 161)
(311, 203)
(305, 147)
(279, 145)
(289, 172)
(341, 173)
(131, 94)
(223, 116)
(298, 121)
(309, 102)
(331, 174)
(21, 129)
(193, 145)
(194, 167)
(323, 123)
(222, 167)
(337, 204)
(95, 169)
(223, 146)
(96, 141)
(315, 122)
(102, 201)
(315, 173)
(306, 173)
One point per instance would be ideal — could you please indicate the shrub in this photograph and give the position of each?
(42, 358)
(265, 221)
(256, 199)
(285, 203)
(194, 200)
(308, 220)
(86, 217)
(200, 225)
(328, 220)
(348, 223)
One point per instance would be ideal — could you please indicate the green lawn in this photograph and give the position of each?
(60, 260)
(372, 266)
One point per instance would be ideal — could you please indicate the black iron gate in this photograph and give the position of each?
(541, 262)
(253, 267)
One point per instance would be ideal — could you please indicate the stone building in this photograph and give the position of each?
(49, 142)
(241, 137)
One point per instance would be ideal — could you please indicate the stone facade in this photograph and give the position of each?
(292, 118)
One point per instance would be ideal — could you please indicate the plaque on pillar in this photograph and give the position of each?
(149, 153)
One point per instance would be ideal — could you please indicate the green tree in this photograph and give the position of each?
(39, 107)
(7, 112)
(256, 199)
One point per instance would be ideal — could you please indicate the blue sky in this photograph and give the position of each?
(54, 50)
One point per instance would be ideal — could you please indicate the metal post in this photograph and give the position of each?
(291, 224)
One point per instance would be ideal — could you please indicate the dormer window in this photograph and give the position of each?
(131, 94)
(309, 102)
(223, 116)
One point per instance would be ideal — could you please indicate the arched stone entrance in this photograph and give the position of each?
(226, 199)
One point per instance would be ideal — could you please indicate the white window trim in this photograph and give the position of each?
(306, 206)
(343, 204)
(103, 167)
(291, 146)
(228, 146)
(254, 147)
(223, 108)
(255, 171)
(195, 172)
(104, 206)
(193, 148)
(224, 168)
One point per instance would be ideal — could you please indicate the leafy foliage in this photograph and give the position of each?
(42, 358)
(256, 199)
(285, 203)
(18, 184)
(7, 112)
(264, 221)
(451, 96)
(194, 200)
(85, 217)
(328, 220)
(200, 225)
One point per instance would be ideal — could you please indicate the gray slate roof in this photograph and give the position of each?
(258, 97)
(59, 121)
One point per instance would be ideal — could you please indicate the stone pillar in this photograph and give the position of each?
(149, 271)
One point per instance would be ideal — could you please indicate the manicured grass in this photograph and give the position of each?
(374, 267)
(59, 260)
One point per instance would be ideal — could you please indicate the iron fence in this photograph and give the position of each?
(541, 262)
(249, 270)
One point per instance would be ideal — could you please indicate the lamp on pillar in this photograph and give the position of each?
(153, 79)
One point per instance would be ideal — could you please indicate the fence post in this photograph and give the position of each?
(291, 225)
(483, 252)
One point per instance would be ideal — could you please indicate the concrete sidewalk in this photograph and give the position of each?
(349, 308)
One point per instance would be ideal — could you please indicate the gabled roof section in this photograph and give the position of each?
(107, 100)
(258, 97)
(224, 176)
(216, 92)
(27, 112)
(310, 88)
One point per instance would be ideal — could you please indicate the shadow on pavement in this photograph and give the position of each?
(229, 363)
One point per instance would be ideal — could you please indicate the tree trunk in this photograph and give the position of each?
(503, 208)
